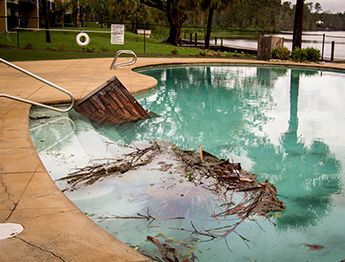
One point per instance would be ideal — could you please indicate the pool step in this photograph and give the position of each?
(111, 103)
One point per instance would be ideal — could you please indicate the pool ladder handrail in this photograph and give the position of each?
(115, 65)
(64, 110)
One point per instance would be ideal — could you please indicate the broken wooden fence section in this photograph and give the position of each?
(111, 103)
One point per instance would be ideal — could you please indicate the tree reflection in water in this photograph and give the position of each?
(225, 109)
(306, 176)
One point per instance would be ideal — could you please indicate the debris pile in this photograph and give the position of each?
(222, 178)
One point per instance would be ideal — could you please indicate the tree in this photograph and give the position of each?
(138, 15)
(61, 9)
(212, 5)
(298, 25)
(99, 11)
(75, 11)
(45, 6)
(82, 7)
(317, 7)
(286, 16)
(175, 11)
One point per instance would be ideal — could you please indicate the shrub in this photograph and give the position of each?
(299, 55)
(89, 49)
(313, 54)
(28, 46)
(306, 54)
(174, 51)
(203, 53)
(282, 53)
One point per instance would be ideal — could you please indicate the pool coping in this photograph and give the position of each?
(54, 228)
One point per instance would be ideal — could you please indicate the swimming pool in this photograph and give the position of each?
(285, 125)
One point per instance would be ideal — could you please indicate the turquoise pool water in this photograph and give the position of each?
(285, 125)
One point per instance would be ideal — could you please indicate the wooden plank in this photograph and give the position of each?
(113, 109)
(111, 103)
(135, 103)
(129, 103)
(87, 108)
(123, 109)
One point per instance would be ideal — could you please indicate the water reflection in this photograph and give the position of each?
(305, 175)
(201, 105)
(46, 135)
(225, 109)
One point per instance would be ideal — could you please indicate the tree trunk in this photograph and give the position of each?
(294, 91)
(46, 20)
(176, 19)
(102, 20)
(63, 19)
(209, 27)
(75, 11)
(298, 25)
(82, 16)
(290, 138)
(174, 35)
(133, 25)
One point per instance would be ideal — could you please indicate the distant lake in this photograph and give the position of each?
(310, 39)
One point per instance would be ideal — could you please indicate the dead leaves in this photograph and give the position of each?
(313, 247)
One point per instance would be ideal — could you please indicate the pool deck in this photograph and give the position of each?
(54, 229)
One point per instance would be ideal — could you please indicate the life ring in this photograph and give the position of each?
(79, 41)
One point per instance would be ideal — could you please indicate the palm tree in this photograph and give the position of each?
(298, 25)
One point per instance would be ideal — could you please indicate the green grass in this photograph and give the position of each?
(32, 46)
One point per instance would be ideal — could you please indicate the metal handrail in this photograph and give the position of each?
(127, 63)
(43, 81)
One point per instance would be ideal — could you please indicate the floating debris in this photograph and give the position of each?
(172, 250)
(195, 175)
(220, 176)
(111, 103)
(313, 247)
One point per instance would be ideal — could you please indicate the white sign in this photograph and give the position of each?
(117, 34)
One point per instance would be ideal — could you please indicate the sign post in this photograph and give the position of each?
(117, 34)
(144, 41)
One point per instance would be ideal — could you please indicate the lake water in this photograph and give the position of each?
(285, 125)
(310, 39)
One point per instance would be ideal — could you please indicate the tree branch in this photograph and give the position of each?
(158, 4)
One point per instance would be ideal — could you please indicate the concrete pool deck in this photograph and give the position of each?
(54, 229)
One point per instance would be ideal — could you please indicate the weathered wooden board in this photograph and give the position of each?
(111, 103)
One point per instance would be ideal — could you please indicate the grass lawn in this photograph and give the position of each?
(32, 46)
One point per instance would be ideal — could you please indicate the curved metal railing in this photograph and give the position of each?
(115, 65)
(62, 110)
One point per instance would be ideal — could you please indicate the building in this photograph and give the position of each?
(22, 13)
